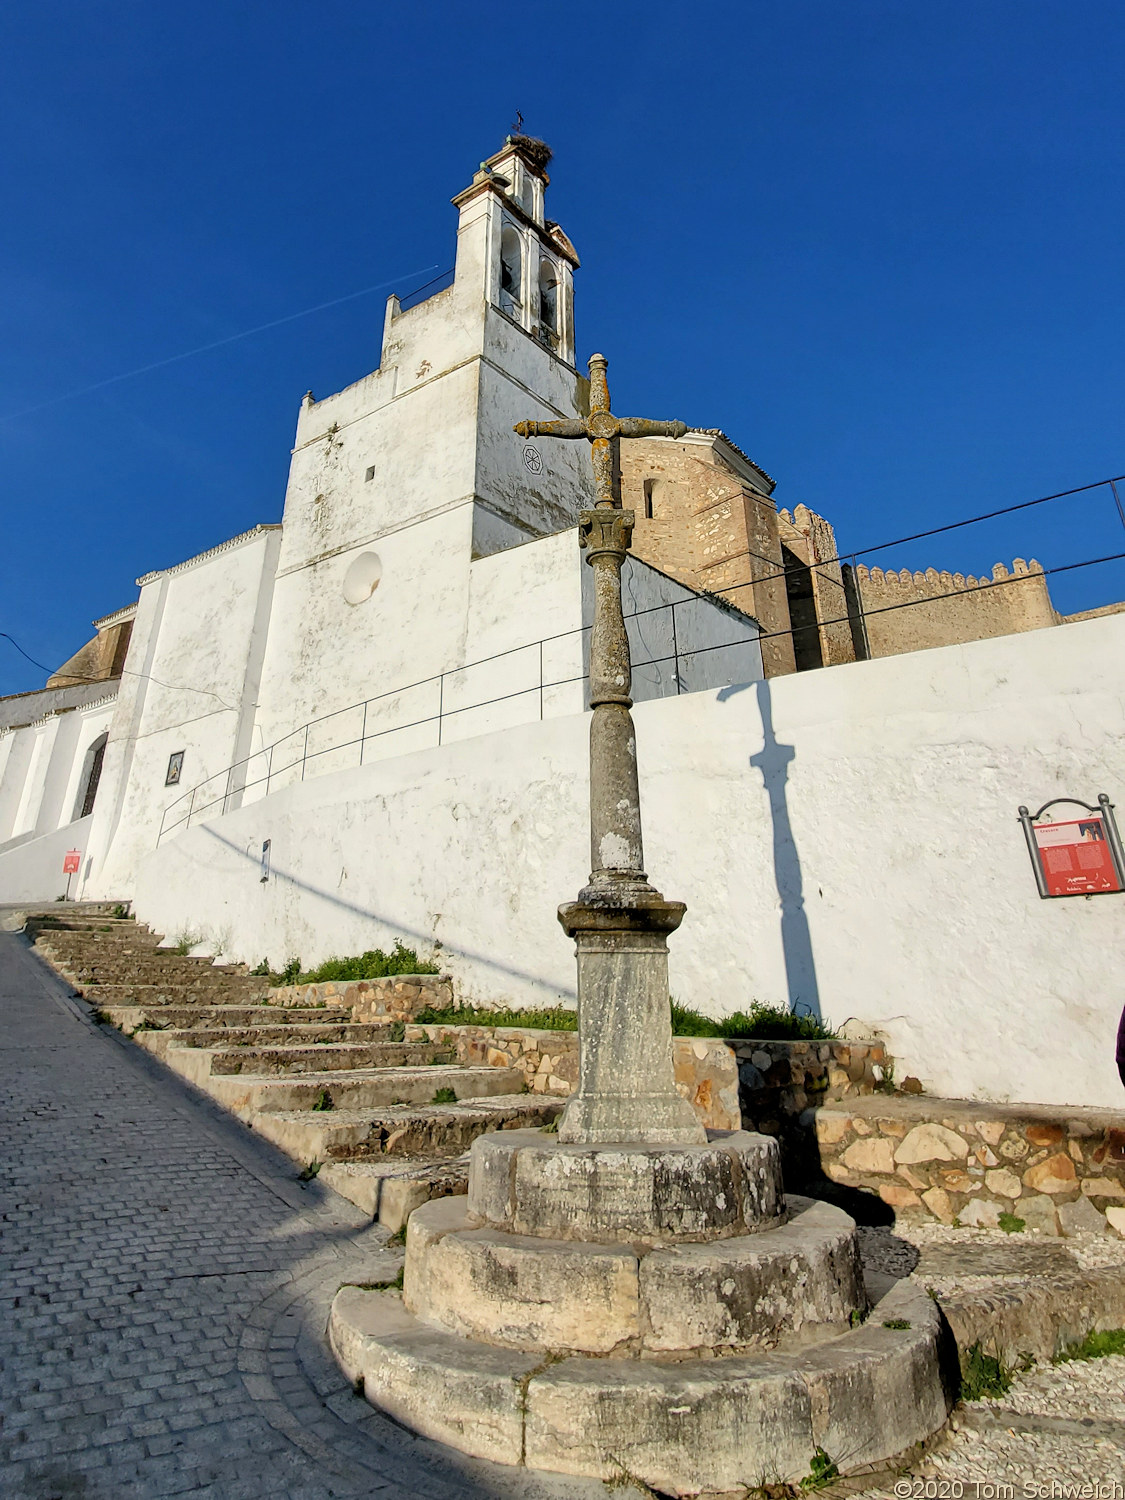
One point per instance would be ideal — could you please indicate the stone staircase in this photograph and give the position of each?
(384, 1122)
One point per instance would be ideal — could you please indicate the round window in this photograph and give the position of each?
(362, 578)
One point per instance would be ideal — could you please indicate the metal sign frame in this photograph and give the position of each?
(1103, 810)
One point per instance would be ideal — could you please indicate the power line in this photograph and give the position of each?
(4, 635)
(233, 338)
(843, 557)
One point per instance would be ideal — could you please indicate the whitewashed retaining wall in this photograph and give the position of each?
(31, 870)
(882, 795)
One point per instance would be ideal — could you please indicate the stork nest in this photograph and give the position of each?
(537, 152)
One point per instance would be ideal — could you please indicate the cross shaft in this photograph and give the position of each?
(626, 1087)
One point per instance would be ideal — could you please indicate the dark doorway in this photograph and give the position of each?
(91, 775)
(802, 612)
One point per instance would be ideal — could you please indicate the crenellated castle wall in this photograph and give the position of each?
(949, 609)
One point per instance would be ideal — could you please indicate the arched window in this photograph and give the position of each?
(91, 775)
(511, 272)
(549, 303)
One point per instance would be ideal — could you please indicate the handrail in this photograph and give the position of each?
(305, 754)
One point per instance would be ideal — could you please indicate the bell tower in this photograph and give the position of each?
(520, 262)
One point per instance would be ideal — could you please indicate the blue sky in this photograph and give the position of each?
(879, 242)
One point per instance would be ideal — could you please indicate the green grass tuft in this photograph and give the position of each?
(763, 1023)
(896, 1323)
(1010, 1224)
(1096, 1345)
(374, 964)
(540, 1018)
(445, 1096)
(983, 1375)
(823, 1471)
(323, 1101)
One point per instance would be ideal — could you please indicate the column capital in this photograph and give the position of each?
(605, 531)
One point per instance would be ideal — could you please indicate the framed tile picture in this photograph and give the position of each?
(175, 768)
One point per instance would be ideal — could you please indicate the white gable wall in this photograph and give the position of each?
(188, 685)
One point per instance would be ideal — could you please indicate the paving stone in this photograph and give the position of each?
(142, 1235)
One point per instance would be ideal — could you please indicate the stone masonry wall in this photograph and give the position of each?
(780, 1081)
(398, 997)
(981, 610)
(952, 1159)
(811, 538)
(547, 1063)
(710, 530)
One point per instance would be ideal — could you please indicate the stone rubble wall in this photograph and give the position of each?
(547, 1062)
(398, 997)
(780, 1080)
(1061, 1172)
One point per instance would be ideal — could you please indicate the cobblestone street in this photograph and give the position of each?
(165, 1282)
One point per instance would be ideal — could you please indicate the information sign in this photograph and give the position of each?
(1075, 856)
(72, 862)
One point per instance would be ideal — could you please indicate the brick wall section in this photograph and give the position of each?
(547, 1063)
(1057, 1170)
(978, 614)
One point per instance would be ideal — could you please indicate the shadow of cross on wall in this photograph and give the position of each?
(773, 761)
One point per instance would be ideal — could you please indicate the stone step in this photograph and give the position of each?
(436, 1131)
(100, 922)
(177, 1017)
(121, 938)
(126, 973)
(201, 981)
(363, 1088)
(319, 1085)
(156, 963)
(390, 1188)
(297, 1035)
(685, 1426)
(300, 1058)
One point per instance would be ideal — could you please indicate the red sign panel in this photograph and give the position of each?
(1076, 857)
(72, 861)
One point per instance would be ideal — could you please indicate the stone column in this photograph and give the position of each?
(626, 1082)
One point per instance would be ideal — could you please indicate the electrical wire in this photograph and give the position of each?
(5, 636)
(160, 364)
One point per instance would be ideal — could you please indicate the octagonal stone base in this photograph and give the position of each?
(681, 1426)
(524, 1182)
(802, 1280)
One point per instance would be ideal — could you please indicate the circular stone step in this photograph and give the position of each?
(721, 1297)
(680, 1426)
(525, 1182)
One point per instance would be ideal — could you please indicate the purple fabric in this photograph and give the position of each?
(1121, 1047)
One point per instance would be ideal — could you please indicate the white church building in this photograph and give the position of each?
(368, 723)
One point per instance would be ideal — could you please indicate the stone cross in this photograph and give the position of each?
(604, 534)
(626, 1086)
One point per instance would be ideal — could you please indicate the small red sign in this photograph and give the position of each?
(1076, 857)
(72, 862)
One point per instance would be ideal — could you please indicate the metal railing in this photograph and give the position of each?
(421, 713)
(681, 646)
(427, 290)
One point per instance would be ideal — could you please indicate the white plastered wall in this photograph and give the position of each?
(419, 465)
(847, 839)
(189, 684)
(41, 776)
